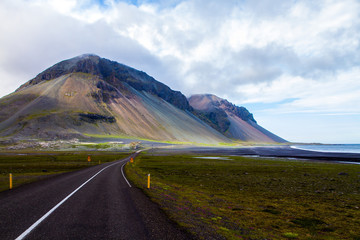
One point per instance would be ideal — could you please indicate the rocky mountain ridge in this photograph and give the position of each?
(232, 121)
(93, 96)
(114, 74)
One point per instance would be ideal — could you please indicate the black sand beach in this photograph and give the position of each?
(273, 151)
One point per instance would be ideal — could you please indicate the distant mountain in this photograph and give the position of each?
(89, 95)
(232, 121)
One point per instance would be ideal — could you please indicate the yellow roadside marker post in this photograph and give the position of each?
(10, 181)
(89, 159)
(148, 183)
(131, 160)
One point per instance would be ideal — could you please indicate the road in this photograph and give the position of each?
(93, 203)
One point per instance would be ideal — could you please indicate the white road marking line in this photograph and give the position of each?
(32, 227)
(124, 174)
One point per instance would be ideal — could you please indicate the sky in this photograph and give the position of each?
(294, 64)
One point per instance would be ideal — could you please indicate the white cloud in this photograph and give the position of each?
(253, 41)
(38, 36)
(333, 94)
(337, 95)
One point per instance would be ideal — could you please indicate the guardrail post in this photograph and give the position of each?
(10, 181)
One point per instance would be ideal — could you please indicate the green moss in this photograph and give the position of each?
(38, 115)
(290, 235)
(252, 197)
(309, 223)
(105, 145)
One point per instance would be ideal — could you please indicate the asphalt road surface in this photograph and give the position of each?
(93, 203)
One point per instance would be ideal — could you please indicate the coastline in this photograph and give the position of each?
(285, 151)
(329, 148)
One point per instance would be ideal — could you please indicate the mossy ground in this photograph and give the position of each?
(253, 198)
(28, 167)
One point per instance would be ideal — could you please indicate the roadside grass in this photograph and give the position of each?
(29, 167)
(254, 198)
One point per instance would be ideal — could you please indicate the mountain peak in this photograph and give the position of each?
(114, 74)
(204, 101)
(210, 102)
(208, 96)
(87, 55)
(232, 121)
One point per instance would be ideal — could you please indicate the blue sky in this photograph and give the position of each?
(293, 64)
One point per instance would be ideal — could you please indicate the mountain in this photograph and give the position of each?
(232, 121)
(90, 95)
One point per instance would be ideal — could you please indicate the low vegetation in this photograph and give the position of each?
(28, 167)
(254, 198)
(73, 145)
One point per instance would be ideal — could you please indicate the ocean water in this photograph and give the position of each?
(342, 148)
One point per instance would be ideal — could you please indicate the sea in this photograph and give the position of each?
(341, 148)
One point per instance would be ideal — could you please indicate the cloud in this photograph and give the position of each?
(340, 95)
(38, 36)
(248, 51)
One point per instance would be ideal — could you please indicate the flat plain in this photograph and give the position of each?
(232, 197)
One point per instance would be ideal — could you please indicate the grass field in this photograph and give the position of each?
(29, 167)
(253, 198)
